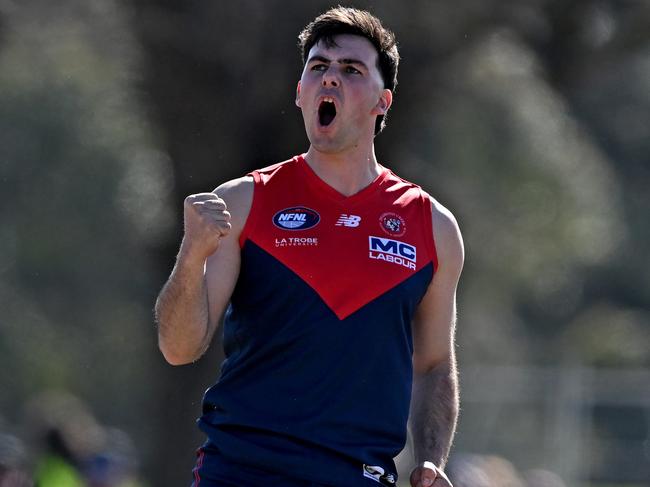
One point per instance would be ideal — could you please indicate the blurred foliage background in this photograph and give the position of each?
(529, 119)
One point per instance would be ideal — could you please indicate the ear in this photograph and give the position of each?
(298, 95)
(384, 102)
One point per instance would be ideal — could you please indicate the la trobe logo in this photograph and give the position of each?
(296, 218)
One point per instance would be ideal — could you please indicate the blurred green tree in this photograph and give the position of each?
(84, 197)
(530, 120)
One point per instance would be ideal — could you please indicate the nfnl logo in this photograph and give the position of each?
(296, 218)
(392, 251)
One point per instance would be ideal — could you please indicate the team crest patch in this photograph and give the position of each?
(393, 224)
(296, 218)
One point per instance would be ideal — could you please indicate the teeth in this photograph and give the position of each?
(328, 99)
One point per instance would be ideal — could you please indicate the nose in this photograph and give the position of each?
(330, 79)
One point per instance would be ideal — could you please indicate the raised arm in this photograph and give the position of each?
(435, 402)
(192, 301)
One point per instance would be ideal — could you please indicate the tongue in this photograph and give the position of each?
(326, 113)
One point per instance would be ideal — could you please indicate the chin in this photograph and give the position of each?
(327, 141)
(326, 145)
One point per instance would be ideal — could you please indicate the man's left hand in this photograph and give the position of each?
(428, 475)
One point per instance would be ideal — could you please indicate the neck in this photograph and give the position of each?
(346, 172)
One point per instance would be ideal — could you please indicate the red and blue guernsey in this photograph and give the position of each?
(316, 383)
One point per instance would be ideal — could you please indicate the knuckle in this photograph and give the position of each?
(215, 202)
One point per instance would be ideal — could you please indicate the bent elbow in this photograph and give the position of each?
(174, 356)
(175, 360)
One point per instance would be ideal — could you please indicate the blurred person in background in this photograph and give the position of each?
(115, 465)
(65, 434)
(342, 305)
(12, 462)
(73, 449)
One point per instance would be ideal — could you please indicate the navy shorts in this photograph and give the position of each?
(213, 470)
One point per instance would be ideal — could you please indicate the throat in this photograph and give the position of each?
(347, 177)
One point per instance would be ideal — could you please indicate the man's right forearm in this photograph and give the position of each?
(182, 310)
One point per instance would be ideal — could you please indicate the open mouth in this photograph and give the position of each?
(326, 112)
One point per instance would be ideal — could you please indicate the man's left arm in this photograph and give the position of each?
(435, 401)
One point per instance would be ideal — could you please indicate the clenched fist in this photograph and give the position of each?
(207, 221)
(428, 475)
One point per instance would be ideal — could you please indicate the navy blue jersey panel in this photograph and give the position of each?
(302, 390)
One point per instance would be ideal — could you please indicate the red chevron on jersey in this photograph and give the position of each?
(349, 249)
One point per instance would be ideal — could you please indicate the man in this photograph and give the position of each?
(342, 306)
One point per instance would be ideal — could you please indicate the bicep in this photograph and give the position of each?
(435, 318)
(433, 326)
(222, 267)
(221, 273)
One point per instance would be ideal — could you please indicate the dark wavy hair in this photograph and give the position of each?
(344, 20)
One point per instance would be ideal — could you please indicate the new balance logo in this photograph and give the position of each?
(348, 221)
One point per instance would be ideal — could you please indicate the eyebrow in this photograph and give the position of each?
(323, 59)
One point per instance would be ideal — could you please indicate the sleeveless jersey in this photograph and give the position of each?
(316, 382)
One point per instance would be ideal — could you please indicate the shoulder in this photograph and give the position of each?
(236, 188)
(447, 237)
(266, 174)
(238, 196)
(237, 193)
